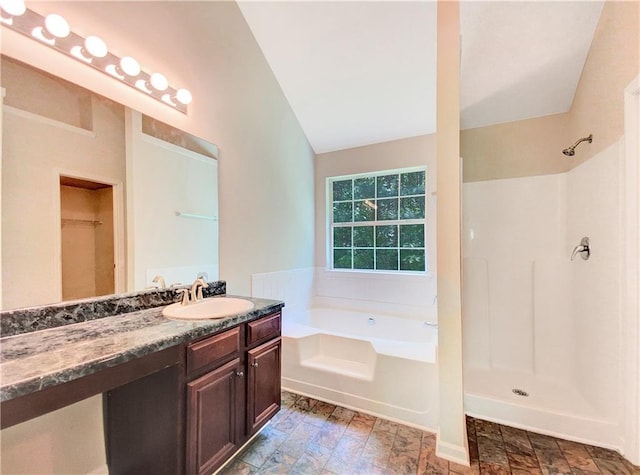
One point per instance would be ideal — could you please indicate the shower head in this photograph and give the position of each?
(571, 151)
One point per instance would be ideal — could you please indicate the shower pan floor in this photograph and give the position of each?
(551, 407)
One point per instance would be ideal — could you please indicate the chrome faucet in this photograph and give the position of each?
(583, 248)
(196, 289)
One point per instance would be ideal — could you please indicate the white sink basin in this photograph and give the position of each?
(206, 309)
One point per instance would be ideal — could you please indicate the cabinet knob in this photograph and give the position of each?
(240, 374)
(254, 364)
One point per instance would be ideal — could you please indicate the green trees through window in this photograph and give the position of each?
(378, 221)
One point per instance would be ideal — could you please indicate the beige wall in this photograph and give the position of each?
(411, 152)
(57, 443)
(534, 146)
(612, 63)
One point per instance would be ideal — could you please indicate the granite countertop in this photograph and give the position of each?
(33, 361)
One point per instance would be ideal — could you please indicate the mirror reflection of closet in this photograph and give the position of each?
(87, 238)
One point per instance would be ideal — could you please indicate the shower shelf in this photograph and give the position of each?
(80, 221)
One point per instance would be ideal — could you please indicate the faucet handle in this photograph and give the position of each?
(185, 296)
(202, 285)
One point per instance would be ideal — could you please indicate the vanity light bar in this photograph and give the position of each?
(54, 31)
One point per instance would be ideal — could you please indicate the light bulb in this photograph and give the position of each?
(183, 96)
(130, 66)
(96, 47)
(13, 7)
(57, 26)
(159, 82)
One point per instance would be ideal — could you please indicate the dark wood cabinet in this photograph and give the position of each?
(144, 422)
(263, 384)
(213, 403)
(194, 415)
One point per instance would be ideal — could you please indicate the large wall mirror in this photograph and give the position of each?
(97, 198)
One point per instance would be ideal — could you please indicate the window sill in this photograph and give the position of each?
(363, 274)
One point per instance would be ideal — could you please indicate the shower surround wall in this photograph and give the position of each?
(534, 320)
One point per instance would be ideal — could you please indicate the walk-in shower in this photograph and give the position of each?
(541, 331)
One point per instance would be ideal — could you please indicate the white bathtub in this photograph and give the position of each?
(375, 363)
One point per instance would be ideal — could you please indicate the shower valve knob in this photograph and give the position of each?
(584, 248)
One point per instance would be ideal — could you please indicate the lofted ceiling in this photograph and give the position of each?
(358, 73)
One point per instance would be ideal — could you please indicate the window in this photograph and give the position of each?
(377, 221)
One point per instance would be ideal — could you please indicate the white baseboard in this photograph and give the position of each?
(453, 452)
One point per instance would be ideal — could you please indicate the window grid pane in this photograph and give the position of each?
(378, 222)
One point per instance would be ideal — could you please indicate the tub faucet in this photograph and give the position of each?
(196, 289)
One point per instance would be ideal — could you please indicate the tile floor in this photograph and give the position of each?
(309, 437)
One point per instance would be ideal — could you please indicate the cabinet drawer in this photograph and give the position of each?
(211, 351)
(263, 329)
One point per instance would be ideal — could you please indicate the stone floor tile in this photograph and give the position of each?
(312, 461)
(290, 422)
(577, 456)
(262, 448)
(552, 461)
(522, 461)
(277, 464)
(288, 399)
(541, 441)
(360, 426)
(458, 469)
(491, 451)
(304, 403)
(429, 462)
(428, 439)
(519, 447)
(341, 466)
(528, 471)
(328, 436)
(409, 432)
(299, 439)
(402, 464)
(488, 429)
(319, 413)
(384, 425)
(516, 440)
(377, 449)
(612, 467)
(488, 468)
(341, 415)
(238, 467)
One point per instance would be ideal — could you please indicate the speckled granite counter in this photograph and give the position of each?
(37, 360)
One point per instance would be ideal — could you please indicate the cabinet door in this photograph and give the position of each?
(263, 386)
(212, 425)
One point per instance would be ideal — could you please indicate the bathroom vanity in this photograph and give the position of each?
(179, 396)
